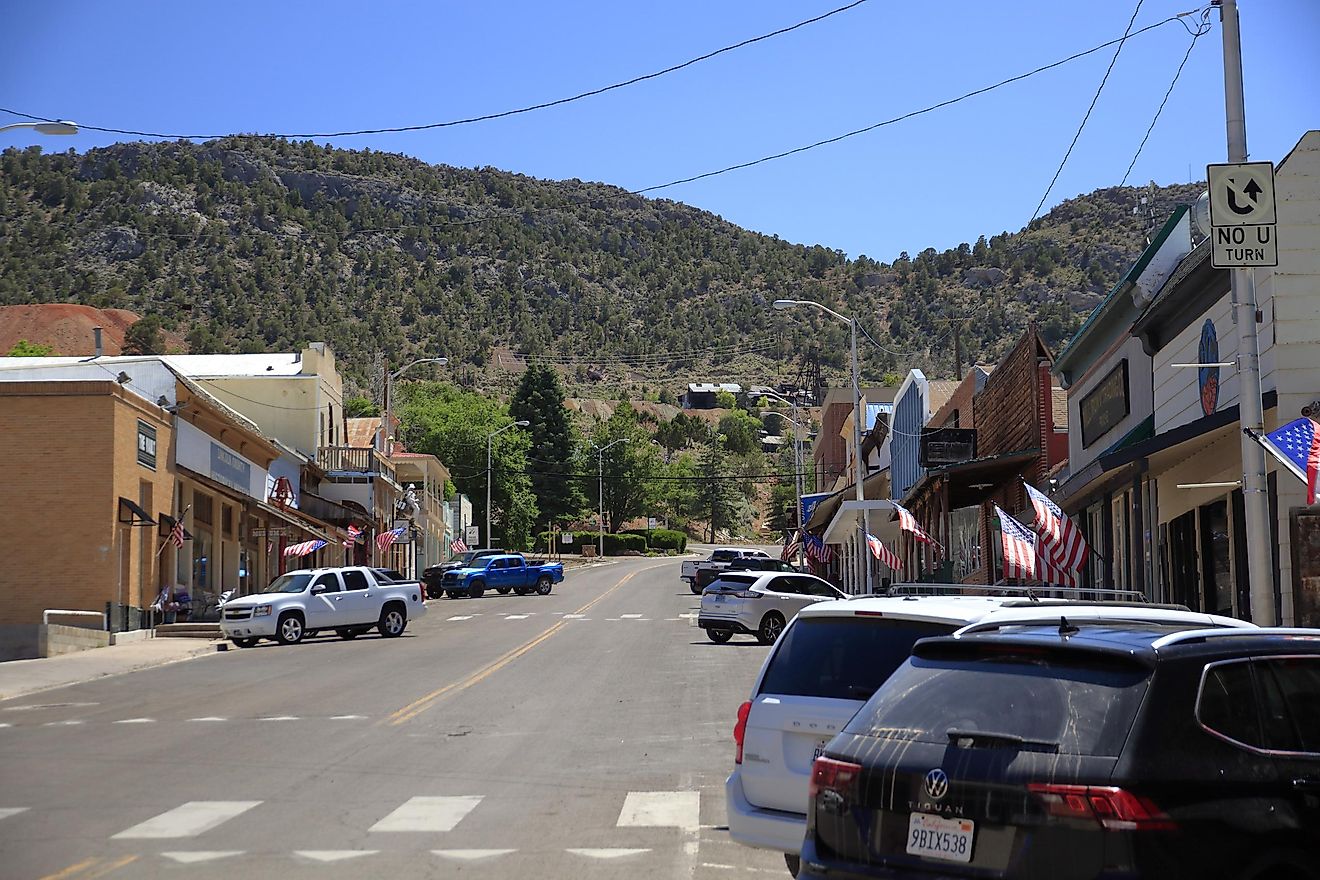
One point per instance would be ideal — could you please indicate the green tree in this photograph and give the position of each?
(740, 433)
(630, 469)
(539, 399)
(720, 499)
(455, 426)
(359, 407)
(144, 336)
(25, 349)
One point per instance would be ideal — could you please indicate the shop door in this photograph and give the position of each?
(1305, 522)
(1184, 580)
(1216, 571)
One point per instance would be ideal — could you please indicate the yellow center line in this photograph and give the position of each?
(72, 870)
(109, 867)
(417, 707)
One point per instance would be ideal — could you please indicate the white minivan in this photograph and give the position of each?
(829, 661)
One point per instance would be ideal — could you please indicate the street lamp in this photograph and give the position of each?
(797, 462)
(600, 487)
(489, 437)
(388, 426)
(55, 128)
(859, 463)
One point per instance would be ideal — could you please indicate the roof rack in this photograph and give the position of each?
(1109, 620)
(1192, 635)
(1033, 593)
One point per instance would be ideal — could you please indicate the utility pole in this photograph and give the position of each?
(1250, 409)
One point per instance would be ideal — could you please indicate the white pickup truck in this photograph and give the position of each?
(349, 601)
(720, 557)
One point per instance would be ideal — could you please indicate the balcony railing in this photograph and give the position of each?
(358, 459)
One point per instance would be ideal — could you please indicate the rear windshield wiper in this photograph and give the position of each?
(968, 739)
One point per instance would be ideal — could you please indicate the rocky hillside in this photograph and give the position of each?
(244, 245)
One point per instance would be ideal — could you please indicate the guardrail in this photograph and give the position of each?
(99, 615)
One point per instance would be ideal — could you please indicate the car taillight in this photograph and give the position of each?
(740, 729)
(747, 594)
(1113, 808)
(828, 774)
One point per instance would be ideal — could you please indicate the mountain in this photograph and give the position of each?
(248, 244)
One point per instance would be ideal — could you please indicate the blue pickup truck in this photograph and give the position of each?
(502, 573)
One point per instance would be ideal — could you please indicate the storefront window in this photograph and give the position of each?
(965, 541)
(201, 561)
(1217, 574)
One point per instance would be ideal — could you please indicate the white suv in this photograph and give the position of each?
(759, 603)
(829, 661)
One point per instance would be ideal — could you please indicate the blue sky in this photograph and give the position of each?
(978, 167)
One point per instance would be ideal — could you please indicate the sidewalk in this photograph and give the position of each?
(19, 677)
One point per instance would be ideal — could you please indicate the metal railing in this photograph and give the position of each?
(358, 459)
(1042, 592)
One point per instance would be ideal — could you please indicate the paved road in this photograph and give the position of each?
(583, 734)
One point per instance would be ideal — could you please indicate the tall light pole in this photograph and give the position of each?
(600, 487)
(1250, 407)
(797, 464)
(858, 461)
(52, 128)
(489, 437)
(388, 426)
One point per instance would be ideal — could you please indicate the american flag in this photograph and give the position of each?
(817, 550)
(908, 523)
(883, 553)
(1297, 446)
(304, 548)
(1049, 573)
(385, 539)
(353, 534)
(176, 533)
(1019, 547)
(1061, 542)
(790, 548)
(457, 546)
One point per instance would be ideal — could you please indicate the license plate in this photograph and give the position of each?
(939, 838)
(717, 599)
(820, 749)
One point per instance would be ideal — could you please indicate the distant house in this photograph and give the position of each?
(701, 395)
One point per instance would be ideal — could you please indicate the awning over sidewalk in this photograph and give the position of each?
(843, 525)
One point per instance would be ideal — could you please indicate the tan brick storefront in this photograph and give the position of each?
(71, 451)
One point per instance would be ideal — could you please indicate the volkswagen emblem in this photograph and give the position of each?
(937, 784)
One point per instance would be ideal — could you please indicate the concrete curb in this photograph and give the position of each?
(20, 678)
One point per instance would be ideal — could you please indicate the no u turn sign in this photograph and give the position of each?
(1242, 215)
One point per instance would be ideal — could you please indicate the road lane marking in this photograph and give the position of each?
(72, 870)
(334, 855)
(607, 853)
(6, 725)
(61, 723)
(108, 867)
(192, 857)
(462, 617)
(649, 809)
(471, 855)
(6, 812)
(193, 818)
(209, 718)
(279, 718)
(630, 617)
(575, 617)
(429, 814)
(136, 721)
(516, 616)
(420, 705)
(347, 717)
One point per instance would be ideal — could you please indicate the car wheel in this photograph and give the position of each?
(543, 585)
(290, 629)
(346, 634)
(454, 594)
(434, 593)
(392, 622)
(521, 591)
(503, 591)
(771, 626)
(696, 590)
(245, 643)
(477, 590)
(794, 862)
(719, 636)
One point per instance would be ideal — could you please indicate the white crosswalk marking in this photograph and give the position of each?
(461, 617)
(6, 812)
(334, 855)
(190, 858)
(517, 616)
(678, 809)
(630, 616)
(575, 617)
(193, 818)
(607, 853)
(471, 855)
(429, 814)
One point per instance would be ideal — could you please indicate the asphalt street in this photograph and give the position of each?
(582, 734)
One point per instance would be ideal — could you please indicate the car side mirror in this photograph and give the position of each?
(318, 590)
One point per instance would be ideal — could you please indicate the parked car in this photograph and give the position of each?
(1075, 750)
(706, 575)
(719, 558)
(432, 574)
(759, 603)
(830, 660)
(503, 573)
(298, 604)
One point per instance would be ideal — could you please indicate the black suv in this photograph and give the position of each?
(434, 574)
(1080, 751)
(707, 576)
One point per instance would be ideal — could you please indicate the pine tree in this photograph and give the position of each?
(539, 399)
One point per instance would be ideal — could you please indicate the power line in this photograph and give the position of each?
(1200, 31)
(487, 117)
(1104, 79)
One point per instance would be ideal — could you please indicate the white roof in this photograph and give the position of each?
(280, 363)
